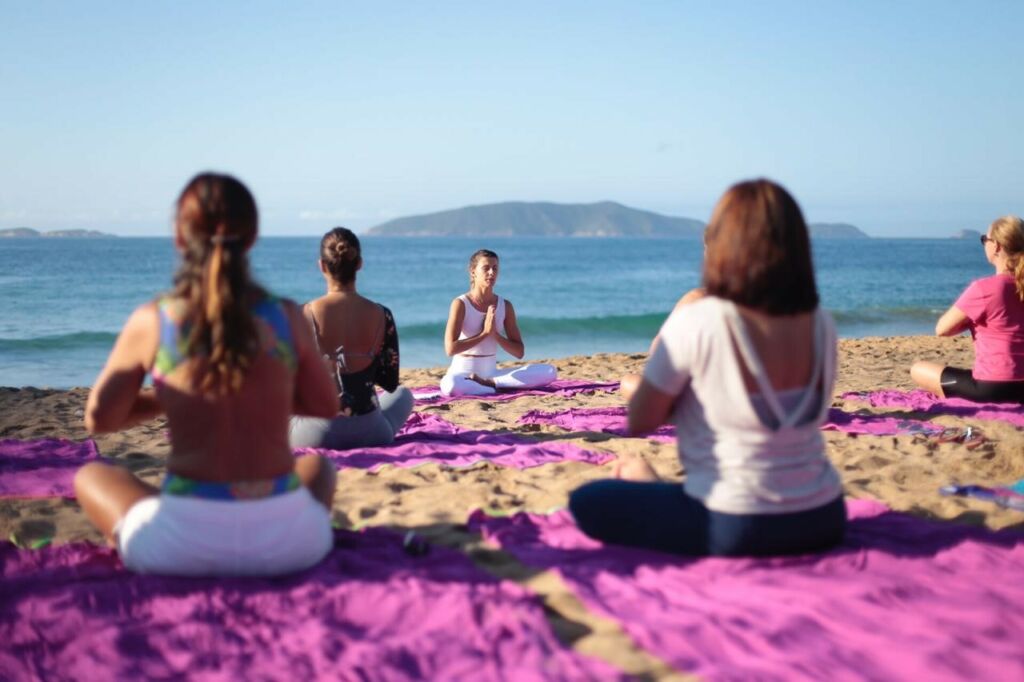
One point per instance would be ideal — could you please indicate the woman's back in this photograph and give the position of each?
(351, 322)
(238, 435)
(784, 345)
(740, 458)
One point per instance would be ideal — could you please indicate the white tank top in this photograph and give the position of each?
(473, 324)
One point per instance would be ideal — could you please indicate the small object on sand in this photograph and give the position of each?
(949, 436)
(969, 436)
(973, 438)
(414, 545)
(1004, 497)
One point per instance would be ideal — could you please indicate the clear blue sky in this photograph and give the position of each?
(904, 118)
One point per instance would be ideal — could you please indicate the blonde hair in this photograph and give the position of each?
(1008, 232)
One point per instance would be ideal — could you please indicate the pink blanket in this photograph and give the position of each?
(922, 401)
(613, 420)
(369, 611)
(564, 388)
(42, 468)
(901, 599)
(427, 438)
(600, 419)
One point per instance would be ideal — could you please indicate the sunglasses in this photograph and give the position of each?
(984, 238)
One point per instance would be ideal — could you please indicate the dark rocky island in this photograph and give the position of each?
(836, 231)
(545, 219)
(541, 219)
(29, 233)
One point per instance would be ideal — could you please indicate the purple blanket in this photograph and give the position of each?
(600, 419)
(901, 599)
(922, 401)
(427, 438)
(613, 420)
(369, 611)
(42, 468)
(564, 388)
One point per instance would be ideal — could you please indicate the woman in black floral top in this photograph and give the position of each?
(359, 343)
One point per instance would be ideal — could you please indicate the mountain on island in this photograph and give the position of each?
(836, 231)
(29, 233)
(972, 235)
(541, 219)
(546, 219)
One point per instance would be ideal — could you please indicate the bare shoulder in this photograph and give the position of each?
(144, 321)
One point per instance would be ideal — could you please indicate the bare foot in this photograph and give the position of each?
(481, 380)
(634, 469)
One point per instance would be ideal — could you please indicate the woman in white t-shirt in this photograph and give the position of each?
(746, 375)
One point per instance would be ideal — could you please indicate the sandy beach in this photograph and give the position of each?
(903, 471)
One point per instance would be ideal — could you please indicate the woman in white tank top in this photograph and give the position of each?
(479, 322)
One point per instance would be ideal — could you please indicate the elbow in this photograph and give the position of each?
(96, 423)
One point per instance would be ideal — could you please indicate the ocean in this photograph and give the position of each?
(62, 301)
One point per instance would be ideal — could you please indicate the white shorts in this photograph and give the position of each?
(179, 535)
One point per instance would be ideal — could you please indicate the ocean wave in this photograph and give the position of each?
(59, 342)
(868, 316)
(645, 325)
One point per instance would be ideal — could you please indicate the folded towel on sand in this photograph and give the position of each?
(368, 611)
(565, 388)
(612, 420)
(902, 598)
(922, 401)
(427, 438)
(42, 468)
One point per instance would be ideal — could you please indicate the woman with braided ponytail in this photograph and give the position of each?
(992, 309)
(359, 342)
(230, 364)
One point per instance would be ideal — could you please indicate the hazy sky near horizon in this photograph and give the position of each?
(904, 118)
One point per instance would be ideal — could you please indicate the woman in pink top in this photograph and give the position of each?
(992, 308)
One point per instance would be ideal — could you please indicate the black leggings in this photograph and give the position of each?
(960, 383)
(661, 516)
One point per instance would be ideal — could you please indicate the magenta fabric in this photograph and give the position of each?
(42, 468)
(369, 611)
(876, 424)
(923, 401)
(427, 438)
(600, 419)
(613, 420)
(564, 388)
(902, 599)
(997, 325)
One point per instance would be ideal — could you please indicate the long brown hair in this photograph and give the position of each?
(1008, 232)
(216, 223)
(757, 251)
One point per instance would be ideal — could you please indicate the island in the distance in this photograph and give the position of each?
(546, 219)
(29, 233)
(967, 234)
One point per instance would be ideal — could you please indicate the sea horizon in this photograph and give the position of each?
(63, 300)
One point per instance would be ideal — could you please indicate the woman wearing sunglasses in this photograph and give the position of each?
(992, 309)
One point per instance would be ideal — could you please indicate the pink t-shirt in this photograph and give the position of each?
(997, 325)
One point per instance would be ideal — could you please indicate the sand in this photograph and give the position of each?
(904, 472)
